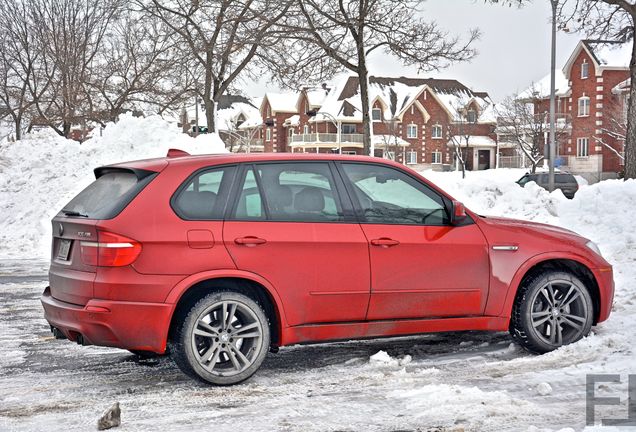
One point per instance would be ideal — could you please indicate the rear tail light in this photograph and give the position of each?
(111, 250)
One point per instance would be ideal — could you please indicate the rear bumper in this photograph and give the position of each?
(127, 325)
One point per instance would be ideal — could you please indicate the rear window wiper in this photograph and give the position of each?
(73, 213)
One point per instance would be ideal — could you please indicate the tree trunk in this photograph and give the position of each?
(630, 136)
(17, 120)
(363, 78)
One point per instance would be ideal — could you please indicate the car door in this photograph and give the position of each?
(421, 266)
(290, 225)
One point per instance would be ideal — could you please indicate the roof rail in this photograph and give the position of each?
(173, 153)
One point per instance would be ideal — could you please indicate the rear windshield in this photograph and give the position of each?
(107, 196)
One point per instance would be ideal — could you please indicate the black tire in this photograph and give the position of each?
(551, 309)
(228, 352)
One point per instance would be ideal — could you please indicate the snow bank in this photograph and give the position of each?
(42, 172)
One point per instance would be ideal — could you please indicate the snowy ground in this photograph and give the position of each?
(468, 381)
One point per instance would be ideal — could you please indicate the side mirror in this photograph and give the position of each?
(458, 213)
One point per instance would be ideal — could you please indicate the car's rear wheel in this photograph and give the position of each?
(223, 339)
(552, 309)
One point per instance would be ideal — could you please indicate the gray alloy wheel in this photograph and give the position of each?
(552, 309)
(223, 339)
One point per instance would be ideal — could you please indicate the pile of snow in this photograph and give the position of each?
(42, 172)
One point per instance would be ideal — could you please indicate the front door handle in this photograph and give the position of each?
(385, 242)
(249, 241)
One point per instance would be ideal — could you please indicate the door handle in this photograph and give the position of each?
(384, 242)
(249, 241)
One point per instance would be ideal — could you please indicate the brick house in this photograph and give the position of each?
(415, 121)
(592, 92)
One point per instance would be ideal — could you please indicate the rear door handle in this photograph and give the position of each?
(249, 241)
(384, 242)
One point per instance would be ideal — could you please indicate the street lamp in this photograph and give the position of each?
(314, 113)
(552, 146)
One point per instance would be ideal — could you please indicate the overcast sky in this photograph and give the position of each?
(514, 49)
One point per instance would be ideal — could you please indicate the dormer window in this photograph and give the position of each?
(585, 69)
(471, 116)
(376, 114)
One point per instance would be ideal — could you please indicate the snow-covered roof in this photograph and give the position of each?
(281, 102)
(396, 95)
(541, 88)
(622, 87)
(292, 121)
(609, 53)
(474, 141)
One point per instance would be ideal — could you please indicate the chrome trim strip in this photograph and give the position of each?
(505, 248)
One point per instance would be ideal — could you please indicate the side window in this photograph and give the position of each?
(389, 196)
(204, 197)
(302, 192)
(250, 203)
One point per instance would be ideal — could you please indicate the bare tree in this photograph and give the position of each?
(348, 31)
(137, 67)
(18, 63)
(614, 20)
(222, 37)
(70, 34)
(519, 120)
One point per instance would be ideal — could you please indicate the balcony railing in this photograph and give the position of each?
(331, 138)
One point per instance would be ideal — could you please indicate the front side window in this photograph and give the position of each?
(411, 131)
(582, 147)
(389, 196)
(201, 198)
(584, 106)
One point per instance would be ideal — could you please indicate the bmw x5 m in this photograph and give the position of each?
(220, 259)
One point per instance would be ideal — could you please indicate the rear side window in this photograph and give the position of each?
(565, 178)
(204, 195)
(289, 192)
(107, 196)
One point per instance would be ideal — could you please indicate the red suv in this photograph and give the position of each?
(220, 259)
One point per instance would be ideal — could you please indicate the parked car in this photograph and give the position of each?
(220, 259)
(564, 181)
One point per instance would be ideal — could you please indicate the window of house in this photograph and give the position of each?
(268, 134)
(436, 157)
(585, 69)
(306, 129)
(389, 196)
(376, 114)
(348, 128)
(411, 131)
(584, 106)
(582, 147)
(471, 116)
(436, 132)
(291, 132)
(411, 157)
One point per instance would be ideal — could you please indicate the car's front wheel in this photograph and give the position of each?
(552, 309)
(223, 339)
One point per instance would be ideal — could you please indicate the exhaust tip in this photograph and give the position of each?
(57, 333)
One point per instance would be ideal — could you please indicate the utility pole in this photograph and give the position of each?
(552, 145)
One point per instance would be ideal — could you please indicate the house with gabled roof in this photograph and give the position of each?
(592, 92)
(414, 120)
